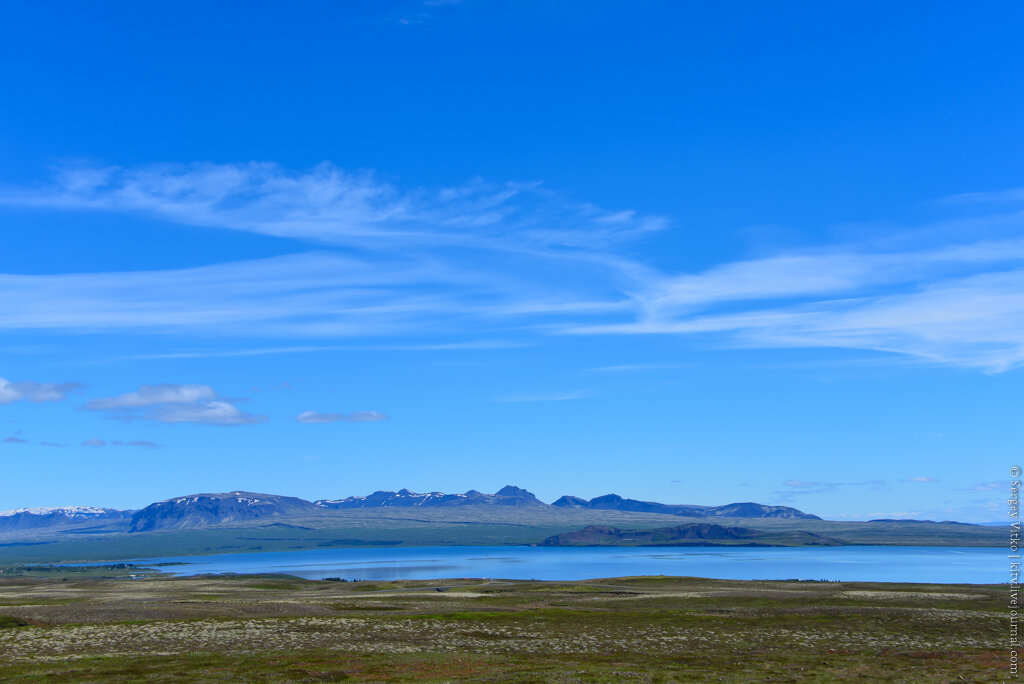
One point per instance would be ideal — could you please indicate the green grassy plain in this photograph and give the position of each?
(651, 629)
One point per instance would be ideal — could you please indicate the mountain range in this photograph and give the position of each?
(211, 509)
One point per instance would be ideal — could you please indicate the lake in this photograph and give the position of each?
(847, 563)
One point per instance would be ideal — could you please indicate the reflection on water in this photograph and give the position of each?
(848, 563)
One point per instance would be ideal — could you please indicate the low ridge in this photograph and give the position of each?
(204, 510)
(694, 534)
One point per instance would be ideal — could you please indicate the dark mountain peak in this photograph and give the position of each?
(511, 490)
(749, 509)
(571, 502)
(405, 492)
(513, 496)
(614, 502)
(607, 499)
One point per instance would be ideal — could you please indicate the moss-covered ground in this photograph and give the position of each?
(283, 629)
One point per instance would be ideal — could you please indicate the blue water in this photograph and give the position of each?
(846, 563)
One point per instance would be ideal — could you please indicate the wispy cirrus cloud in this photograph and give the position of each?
(267, 351)
(313, 295)
(173, 403)
(961, 304)
(796, 488)
(36, 392)
(329, 205)
(357, 417)
(949, 292)
(994, 486)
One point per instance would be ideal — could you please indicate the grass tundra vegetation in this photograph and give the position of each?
(99, 624)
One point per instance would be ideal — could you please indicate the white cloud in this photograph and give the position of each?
(174, 403)
(204, 412)
(36, 392)
(358, 417)
(922, 478)
(151, 395)
(14, 440)
(94, 442)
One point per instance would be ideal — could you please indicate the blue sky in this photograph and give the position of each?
(687, 252)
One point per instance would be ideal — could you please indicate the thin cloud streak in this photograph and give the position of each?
(331, 206)
(95, 442)
(357, 417)
(453, 346)
(804, 488)
(304, 295)
(557, 396)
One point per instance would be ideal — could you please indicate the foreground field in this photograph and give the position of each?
(282, 629)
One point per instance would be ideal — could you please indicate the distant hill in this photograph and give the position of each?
(506, 496)
(202, 510)
(932, 522)
(694, 534)
(614, 502)
(20, 519)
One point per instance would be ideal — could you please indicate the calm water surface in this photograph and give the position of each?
(847, 563)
